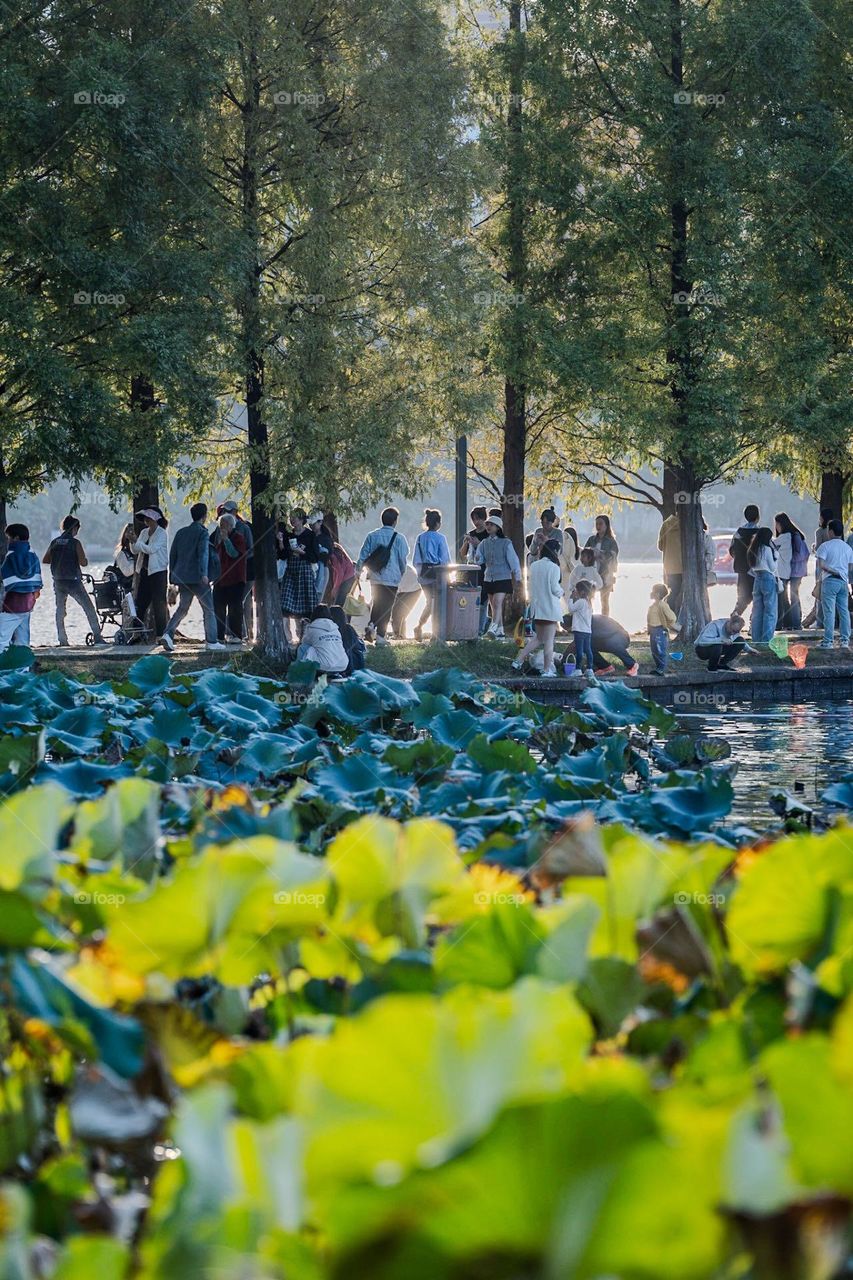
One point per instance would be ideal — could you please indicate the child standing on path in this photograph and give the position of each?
(22, 583)
(660, 621)
(580, 608)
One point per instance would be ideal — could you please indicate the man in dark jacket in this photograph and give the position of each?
(609, 636)
(66, 558)
(189, 572)
(739, 552)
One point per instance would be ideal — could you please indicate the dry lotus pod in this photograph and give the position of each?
(575, 851)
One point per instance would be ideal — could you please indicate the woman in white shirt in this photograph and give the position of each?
(762, 561)
(152, 562)
(547, 606)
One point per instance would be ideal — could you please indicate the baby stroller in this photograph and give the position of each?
(114, 604)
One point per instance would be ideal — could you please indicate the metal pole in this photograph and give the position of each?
(461, 491)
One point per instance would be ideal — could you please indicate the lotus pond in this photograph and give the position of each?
(384, 980)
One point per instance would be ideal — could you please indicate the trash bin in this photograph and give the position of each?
(458, 601)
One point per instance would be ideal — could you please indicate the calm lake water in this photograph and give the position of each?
(800, 748)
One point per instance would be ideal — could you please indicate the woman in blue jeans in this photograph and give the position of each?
(765, 591)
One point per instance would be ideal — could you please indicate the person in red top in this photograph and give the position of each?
(230, 586)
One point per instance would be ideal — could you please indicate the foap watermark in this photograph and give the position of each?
(485, 899)
(682, 899)
(699, 296)
(698, 698)
(685, 98)
(500, 298)
(95, 98)
(299, 697)
(83, 298)
(684, 498)
(302, 299)
(296, 898)
(87, 698)
(97, 899)
(298, 98)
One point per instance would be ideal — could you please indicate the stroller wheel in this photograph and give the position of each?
(119, 637)
(90, 640)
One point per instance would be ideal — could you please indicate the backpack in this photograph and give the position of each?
(378, 559)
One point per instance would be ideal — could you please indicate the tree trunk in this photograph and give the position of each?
(670, 487)
(695, 609)
(515, 410)
(4, 516)
(271, 640)
(832, 486)
(681, 479)
(145, 492)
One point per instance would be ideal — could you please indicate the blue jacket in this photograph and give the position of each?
(21, 571)
(188, 555)
(392, 573)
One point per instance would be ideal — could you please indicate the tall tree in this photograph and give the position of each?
(341, 186)
(104, 276)
(649, 128)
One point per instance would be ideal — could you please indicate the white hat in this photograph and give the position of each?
(150, 513)
(316, 518)
(495, 520)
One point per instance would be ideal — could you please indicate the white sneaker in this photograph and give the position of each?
(233, 640)
(167, 642)
(215, 647)
(517, 666)
(550, 674)
(380, 640)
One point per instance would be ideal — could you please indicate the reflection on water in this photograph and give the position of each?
(800, 748)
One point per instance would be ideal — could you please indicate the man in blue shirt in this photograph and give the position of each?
(383, 555)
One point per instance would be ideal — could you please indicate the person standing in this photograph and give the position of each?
(22, 583)
(498, 557)
(66, 558)
(325, 547)
(244, 529)
(152, 564)
(383, 554)
(762, 559)
(669, 544)
(580, 611)
(660, 620)
(821, 534)
(793, 562)
(188, 571)
(299, 596)
(739, 552)
(230, 587)
(546, 605)
(431, 550)
(342, 575)
(606, 549)
(835, 560)
(475, 535)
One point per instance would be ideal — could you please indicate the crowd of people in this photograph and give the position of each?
(321, 596)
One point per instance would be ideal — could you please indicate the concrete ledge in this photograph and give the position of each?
(710, 690)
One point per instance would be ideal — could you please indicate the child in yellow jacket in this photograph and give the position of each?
(660, 621)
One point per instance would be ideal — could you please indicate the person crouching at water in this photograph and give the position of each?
(546, 605)
(720, 642)
(498, 557)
